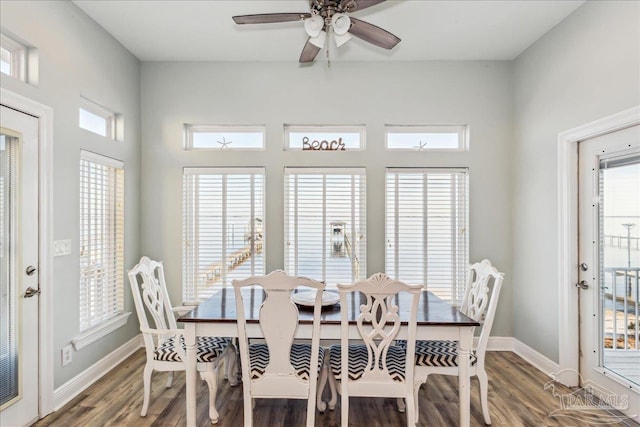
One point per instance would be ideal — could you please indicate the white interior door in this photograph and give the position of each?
(609, 257)
(19, 285)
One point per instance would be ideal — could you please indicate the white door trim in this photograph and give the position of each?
(45, 141)
(568, 231)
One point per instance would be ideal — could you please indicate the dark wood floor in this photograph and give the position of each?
(516, 398)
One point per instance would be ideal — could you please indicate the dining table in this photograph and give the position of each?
(437, 319)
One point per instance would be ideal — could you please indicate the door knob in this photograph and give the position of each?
(30, 292)
(30, 270)
(582, 284)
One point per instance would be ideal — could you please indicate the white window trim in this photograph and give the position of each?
(360, 129)
(102, 330)
(190, 129)
(461, 130)
(108, 115)
(19, 51)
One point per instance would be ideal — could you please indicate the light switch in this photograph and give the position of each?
(61, 247)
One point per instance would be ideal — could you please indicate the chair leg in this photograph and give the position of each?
(484, 394)
(401, 405)
(416, 391)
(333, 388)
(322, 382)
(146, 380)
(411, 412)
(344, 403)
(230, 365)
(170, 379)
(211, 378)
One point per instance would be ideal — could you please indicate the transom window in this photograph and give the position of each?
(427, 229)
(224, 137)
(101, 239)
(223, 228)
(97, 119)
(324, 138)
(325, 224)
(426, 138)
(13, 58)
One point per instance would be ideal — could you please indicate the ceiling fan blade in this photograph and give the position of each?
(269, 18)
(354, 5)
(309, 52)
(373, 34)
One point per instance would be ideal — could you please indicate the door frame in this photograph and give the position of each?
(44, 114)
(568, 346)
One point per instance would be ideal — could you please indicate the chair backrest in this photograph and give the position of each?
(378, 324)
(278, 318)
(481, 299)
(151, 298)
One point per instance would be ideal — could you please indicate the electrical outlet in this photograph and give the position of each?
(67, 355)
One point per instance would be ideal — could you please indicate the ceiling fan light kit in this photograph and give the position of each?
(326, 17)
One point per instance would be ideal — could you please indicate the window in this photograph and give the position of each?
(223, 137)
(426, 138)
(324, 138)
(427, 229)
(101, 239)
(13, 58)
(97, 119)
(223, 227)
(325, 224)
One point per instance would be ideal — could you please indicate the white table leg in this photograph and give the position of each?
(464, 382)
(191, 372)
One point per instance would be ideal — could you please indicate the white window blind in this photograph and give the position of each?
(223, 227)
(427, 229)
(325, 224)
(101, 239)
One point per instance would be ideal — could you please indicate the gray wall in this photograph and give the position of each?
(584, 69)
(76, 57)
(475, 93)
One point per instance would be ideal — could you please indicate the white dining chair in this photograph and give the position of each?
(375, 367)
(441, 357)
(279, 368)
(161, 342)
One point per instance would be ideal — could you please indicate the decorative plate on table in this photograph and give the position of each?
(308, 298)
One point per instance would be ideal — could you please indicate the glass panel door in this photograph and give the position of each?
(619, 238)
(9, 367)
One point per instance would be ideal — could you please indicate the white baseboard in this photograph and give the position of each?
(498, 343)
(67, 391)
(538, 360)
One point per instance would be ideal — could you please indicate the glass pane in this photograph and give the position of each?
(93, 122)
(223, 230)
(228, 140)
(423, 141)
(328, 141)
(325, 226)
(620, 264)
(5, 61)
(9, 380)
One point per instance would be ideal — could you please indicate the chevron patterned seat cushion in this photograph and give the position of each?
(438, 353)
(358, 361)
(300, 359)
(209, 349)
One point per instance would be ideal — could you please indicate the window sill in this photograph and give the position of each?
(94, 334)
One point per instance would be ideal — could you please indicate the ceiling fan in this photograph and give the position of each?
(328, 17)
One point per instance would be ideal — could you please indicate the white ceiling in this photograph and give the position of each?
(168, 30)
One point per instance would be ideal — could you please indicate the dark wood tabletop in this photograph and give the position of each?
(221, 307)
